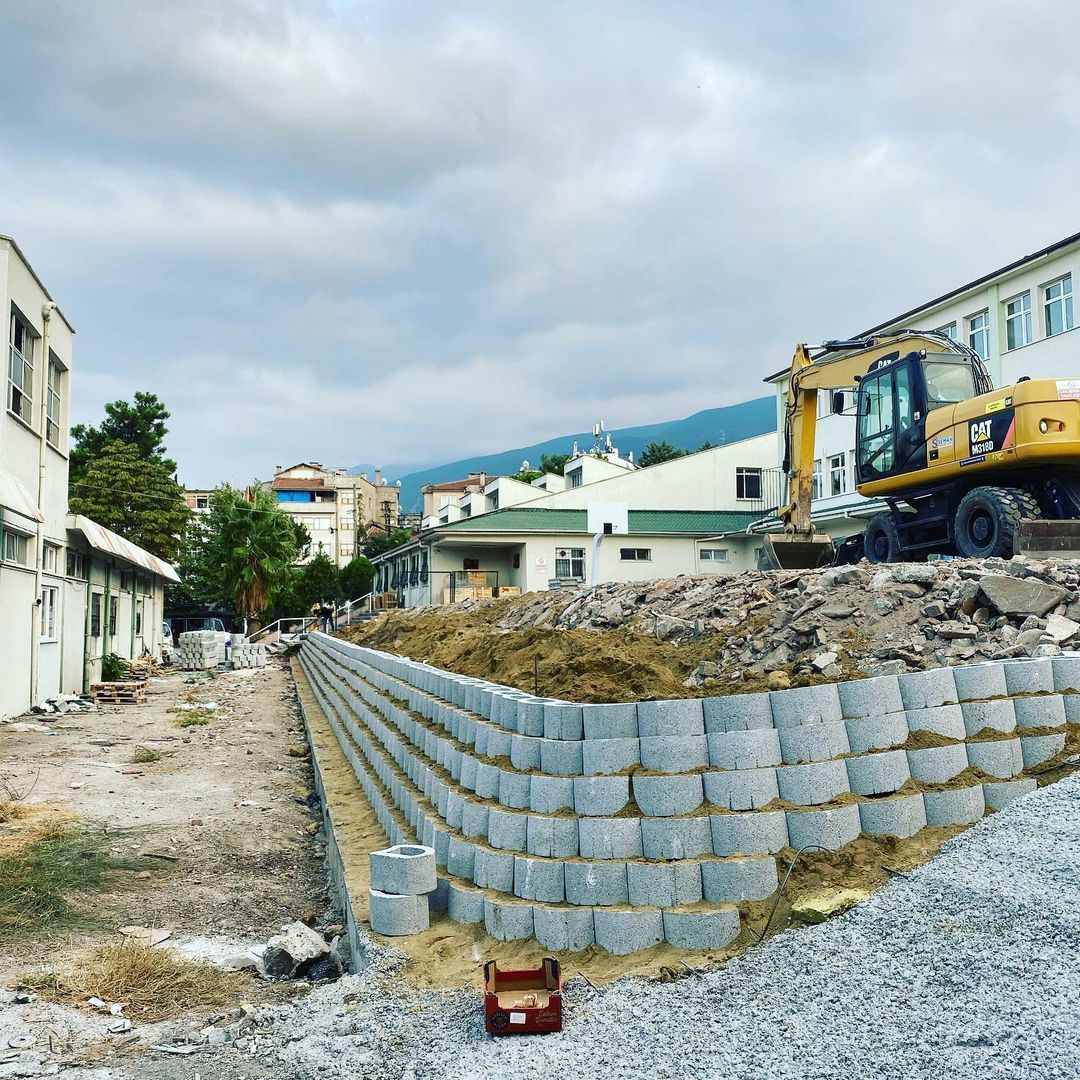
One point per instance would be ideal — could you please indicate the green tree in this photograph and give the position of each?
(303, 538)
(141, 424)
(304, 586)
(357, 577)
(251, 545)
(200, 585)
(657, 452)
(527, 477)
(707, 445)
(381, 542)
(554, 463)
(134, 496)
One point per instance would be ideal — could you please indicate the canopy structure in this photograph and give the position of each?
(15, 497)
(97, 536)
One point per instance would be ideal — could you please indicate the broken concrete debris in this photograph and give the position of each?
(293, 952)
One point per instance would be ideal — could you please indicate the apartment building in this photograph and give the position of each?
(338, 509)
(1019, 318)
(49, 563)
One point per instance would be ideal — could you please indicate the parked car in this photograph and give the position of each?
(184, 622)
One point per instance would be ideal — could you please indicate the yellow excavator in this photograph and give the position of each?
(962, 468)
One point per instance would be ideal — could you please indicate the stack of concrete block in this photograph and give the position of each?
(627, 824)
(202, 650)
(244, 654)
(402, 877)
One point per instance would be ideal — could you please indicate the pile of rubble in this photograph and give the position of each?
(781, 627)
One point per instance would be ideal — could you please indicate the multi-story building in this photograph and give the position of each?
(1018, 318)
(338, 509)
(198, 499)
(56, 572)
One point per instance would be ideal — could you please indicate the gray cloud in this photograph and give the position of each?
(411, 231)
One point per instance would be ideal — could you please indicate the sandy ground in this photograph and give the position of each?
(223, 812)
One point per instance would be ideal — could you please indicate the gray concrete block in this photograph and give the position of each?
(404, 870)
(668, 884)
(455, 808)
(487, 780)
(550, 794)
(468, 772)
(1002, 792)
(960, 806)
(937, 764)
(439, 900)
(595, 884)
(563, 929)
(466, 904)
(829, 829)
(1037, 749)
(903, 816)
(1045, 711)
(507, 920)
(481, 733)
(562, 722)
(668, 796)
(946, 720)
(732, 880)
(600, 796)
(997, 715)
(677, 838)
(878, 774)
(928, 689)
(701, 931)
(980, 682)
(530, 717)
(674, 753)
(524, 752)
(395, 915)
(740, 789)
(559, 758)
(506, 710)
(805, 705)
(440, 841)
(1072, 707)
(1066, 672)
(506, 829)
(474, 820)
(813, 742)
(1002, 758)
(498, 744)
(736, 712)
(625, 932)
(552, 837)
(618, 721)
(682, 716)
(761, 833)
(459, 858)
(539, 879)
(606, 757)
(514, 789)
(870, 697)
(494, 870)
(877, 732)
(609, 838)
(810, 785)
(753, 749)
(1029, 676)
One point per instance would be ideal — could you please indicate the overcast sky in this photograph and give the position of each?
(407, 232)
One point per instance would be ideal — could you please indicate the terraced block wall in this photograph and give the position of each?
(629, 824)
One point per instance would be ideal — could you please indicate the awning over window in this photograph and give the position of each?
(97, 536)
(15, 497)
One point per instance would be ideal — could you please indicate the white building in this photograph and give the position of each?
(1019, 318)
(48, 561)
(688, 515)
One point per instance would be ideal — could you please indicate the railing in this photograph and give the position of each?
(286, 629)
(354, 610)
(773, 494)
(422, 587)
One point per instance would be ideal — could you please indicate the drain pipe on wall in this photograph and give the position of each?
(594, 563)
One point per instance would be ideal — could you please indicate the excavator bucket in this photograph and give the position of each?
(792, 551)
(1044, 539)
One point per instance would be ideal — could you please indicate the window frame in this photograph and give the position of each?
(50, 557)
(75, 564)
(96, 605)
(48, 621)
(574, 555)
(25, 363)
(1020, 317)
(818, 483)
(114, 612)
(53, 401)
(635, 554)
(950, 330)
(1064, 299)
(710, 554)
(981, 331)
(744, 473)
(17, 558)
(835, 471)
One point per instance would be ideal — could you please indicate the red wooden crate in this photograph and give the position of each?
(521, 1002)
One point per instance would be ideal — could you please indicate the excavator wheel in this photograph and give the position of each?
(987, 520)
(881, 541)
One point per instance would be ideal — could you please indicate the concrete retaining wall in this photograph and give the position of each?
(626, 824)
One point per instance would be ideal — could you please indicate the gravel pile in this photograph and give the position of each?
(965, 968)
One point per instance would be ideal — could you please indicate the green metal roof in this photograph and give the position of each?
(540, 520)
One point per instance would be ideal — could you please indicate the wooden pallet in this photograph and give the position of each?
(119, 693)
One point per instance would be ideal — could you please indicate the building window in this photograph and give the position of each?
(16, 548)
(49, 603)
(127, 579)
(1018, 321)
(346, 496)
(979, 333)
(346, 551)
(838, 474)
(114, 610)
(202, 502)
(52, 404)
(21, 370)
(95, 615)
(635, 554)
(747, 483)
(949, 330)
(138, 618)
(570, 563)
(76, 564)
(575, 478)
(816, 494)
(1058, 306)
(714, 554)
(50, 558)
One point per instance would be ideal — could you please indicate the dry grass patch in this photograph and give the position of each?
(144, 755)
(153, 983)
(193, 718)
